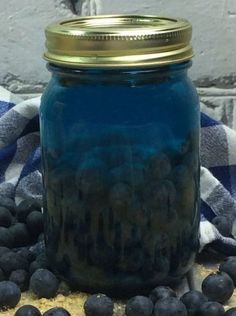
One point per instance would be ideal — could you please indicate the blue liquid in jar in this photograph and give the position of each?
(120, 160)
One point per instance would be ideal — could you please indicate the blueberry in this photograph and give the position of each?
(211, 309)
(120, 198)
(192, 301)
(115, 156)
(8, 203)
(161, 196)
(231, 312)
(57, 311)
(229, 267)
(98, 305)
(158, 166)
(34, 223)
(5, 217)
(114, 137)
(4, 250)
(2, 275)
(139, 306)
(21, 278)
(84, 142)
(6, 237)
(24, 208)
(9, 295)
(223, 224)
(218, 287)
(128, 173)
(28, 310)
(170, 306)
(41, 262)
(122, 173)
(21, 235)
(91, 179)
(34, 266)
(21, 215)
(12, 261)
(44, 283)
(161, 292)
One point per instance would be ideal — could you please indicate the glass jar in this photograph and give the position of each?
(120, 153)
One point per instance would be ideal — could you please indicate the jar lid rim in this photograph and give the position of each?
(111, 41)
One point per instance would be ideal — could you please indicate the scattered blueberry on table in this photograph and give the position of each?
(10, 295)
(170, 306)
(218, 287)
(211, 309)
(57, 311)
(44, 283)
(27, 310)
(192, 301)
(20, 278)
(98, 305)
(229, 267)
(161, 292)
(139, 306)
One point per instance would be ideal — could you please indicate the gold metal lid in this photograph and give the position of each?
(118, 41)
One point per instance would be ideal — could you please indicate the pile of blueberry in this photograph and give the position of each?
(23, 262)
(110, 193)
(24, 266)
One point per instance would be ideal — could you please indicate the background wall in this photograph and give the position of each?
(22, 25)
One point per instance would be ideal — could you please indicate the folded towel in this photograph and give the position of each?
(20, 176)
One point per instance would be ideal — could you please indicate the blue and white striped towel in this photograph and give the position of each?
(20, 175)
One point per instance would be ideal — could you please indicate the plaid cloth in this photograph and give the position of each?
(20, 176)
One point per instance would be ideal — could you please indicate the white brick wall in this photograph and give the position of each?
(22, 26)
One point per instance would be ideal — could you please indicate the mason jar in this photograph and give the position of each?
(120, 153)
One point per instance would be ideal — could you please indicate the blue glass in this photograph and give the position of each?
(120, 158)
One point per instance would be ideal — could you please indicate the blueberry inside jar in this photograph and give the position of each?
(120, 153)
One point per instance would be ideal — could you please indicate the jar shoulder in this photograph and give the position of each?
(60, 89)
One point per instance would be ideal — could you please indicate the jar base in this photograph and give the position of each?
(125, 293)
(120, 288)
